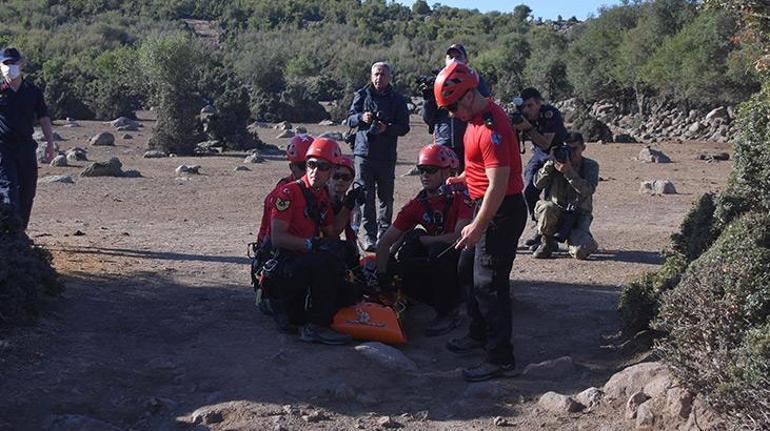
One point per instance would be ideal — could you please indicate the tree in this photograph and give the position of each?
(420, 7)
(171, 64)
(546, 67)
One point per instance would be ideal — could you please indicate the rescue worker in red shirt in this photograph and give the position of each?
(295, 154)
(493, 177)
(425, 258)
(307, 283)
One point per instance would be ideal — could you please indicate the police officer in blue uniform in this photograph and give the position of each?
(543, 125)
(21, 103)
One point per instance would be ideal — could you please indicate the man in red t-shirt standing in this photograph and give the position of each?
(425, 258)
(493, 176)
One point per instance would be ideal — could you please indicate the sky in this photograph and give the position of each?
(546, 9)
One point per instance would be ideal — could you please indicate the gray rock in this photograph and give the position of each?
(645, 418)
(553, 369)
(76, 154)
(633, 403)
(557, 403)
(624, 138)
(127, 136)
(657, 187)
(337, 136)
(657, 387)
(594, 130)
(651, 155)
(71, 123)
(500, 421)
(285, 134)
(342, 392)
(76, 423)
(59, 161)
(209, 147)
(103, 139)
(387, 422)
(283, 125)
(315, 416)
(679, 402)
(128, 128)
(123, 122)
(207, 416)
(253, 158)
(154, 154)
(188, 170)
(387, 356)
(632, 379)
(39, 136)
(300, 130)
(64, 179)
(695, 128)
(326, 123)
(111, 168)
(241, 168)
(590, 397)
(718, 113)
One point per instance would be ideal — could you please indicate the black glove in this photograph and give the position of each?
(353, 197)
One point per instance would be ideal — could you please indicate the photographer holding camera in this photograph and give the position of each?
(380, 114)
(446, 130)
(542, 124)
(565, 214)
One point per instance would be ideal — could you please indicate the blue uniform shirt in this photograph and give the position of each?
(18, 112)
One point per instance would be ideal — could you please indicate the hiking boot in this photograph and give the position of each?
(534, 241)
(313, 333)
(486, 371)
(546, 248)
(442, 324)
(464, 345)
(370, 246)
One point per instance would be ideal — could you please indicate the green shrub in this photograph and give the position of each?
(698, 230)
(717, 320)
(25, 271)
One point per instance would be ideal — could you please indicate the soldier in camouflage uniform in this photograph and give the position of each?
(565, 213)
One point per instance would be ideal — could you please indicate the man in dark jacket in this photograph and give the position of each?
(448, 130)
(381, 116)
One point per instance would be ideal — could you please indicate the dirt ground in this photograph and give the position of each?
(158, 317)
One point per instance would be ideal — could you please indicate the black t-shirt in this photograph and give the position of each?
(18, 112)
(550, 121)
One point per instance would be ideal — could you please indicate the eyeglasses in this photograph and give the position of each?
(430, 170)
(321, 166)
(342, 177)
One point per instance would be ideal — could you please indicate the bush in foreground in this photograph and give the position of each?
(25, 271)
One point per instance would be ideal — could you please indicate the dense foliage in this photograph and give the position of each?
(287, 56)
(25, 271)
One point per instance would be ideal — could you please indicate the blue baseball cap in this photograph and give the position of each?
(10, 54)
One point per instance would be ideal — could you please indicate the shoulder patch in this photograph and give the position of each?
(496, 139)
(548, 114)
(282, 204)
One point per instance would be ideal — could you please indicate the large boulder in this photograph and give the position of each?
(594, 130)
(103, 139)
(632, 380)
(76, 154)
(651, 155)
(557, 403)
(59, 161)
(657, 187)
(717, 114)
(111, 168)
(125, 122)
(387, 356)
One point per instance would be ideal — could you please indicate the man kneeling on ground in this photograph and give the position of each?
(565, 214)
(425, 258)
(307, 280)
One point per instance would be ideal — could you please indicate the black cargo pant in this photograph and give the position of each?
(309, 288)
(532, 193)
(18, 178)
(428, 278)
(485, 271)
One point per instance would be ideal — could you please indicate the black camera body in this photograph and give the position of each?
(425, 83)
(562, 153)
(517, 116)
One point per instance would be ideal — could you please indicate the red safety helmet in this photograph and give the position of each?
(454, 161)
(347, 162)
(297, 148)
(453, 82)
(434, 155)
(325, 148)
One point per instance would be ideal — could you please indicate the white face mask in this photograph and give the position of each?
(10, 71)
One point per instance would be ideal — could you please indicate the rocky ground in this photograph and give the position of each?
(157, 328)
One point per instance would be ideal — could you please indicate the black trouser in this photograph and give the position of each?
(18, 178)
(428, 278)
(532, 193)
(309, 288)
(485, 271)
